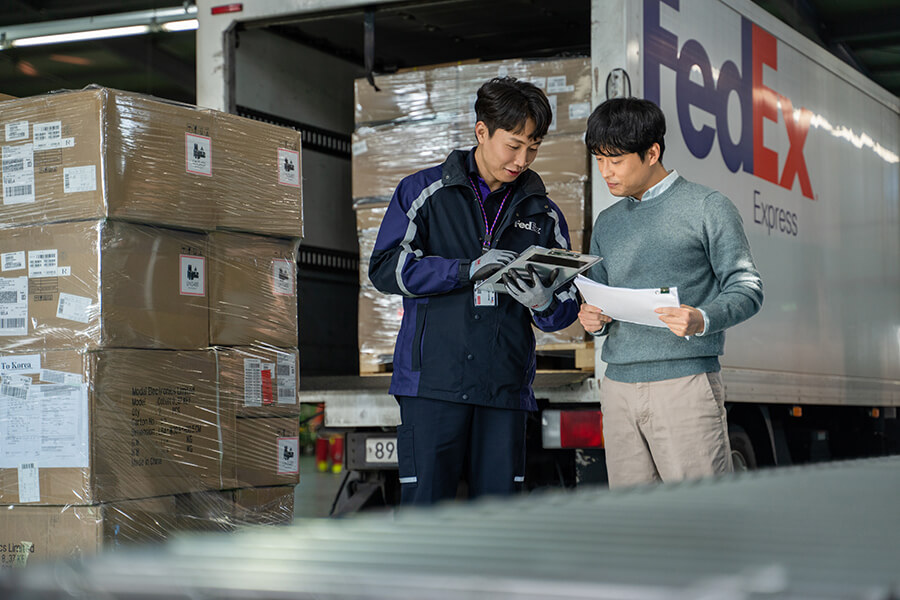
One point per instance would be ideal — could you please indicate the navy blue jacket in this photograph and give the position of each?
(447, 348)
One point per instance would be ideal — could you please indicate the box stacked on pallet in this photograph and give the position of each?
(113, 289)
(416, 119)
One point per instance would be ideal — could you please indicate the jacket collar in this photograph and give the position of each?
(455, 171)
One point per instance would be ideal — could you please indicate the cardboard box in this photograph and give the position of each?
(253, 290)
(226, 510)
(448, 92)
(262, 169)
(385, 154)
(32, 534)
(99, 152)
(262, 452)
(97, 284)
(86, 427)
(259, 381)
(103, 153)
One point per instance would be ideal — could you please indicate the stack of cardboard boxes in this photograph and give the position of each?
(148, 321)
(416, 119)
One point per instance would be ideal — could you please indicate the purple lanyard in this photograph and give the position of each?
(488, 233)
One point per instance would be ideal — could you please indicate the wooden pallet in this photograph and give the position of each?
(551, 357)
(581, 352)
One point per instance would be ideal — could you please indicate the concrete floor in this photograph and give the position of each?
(316, 491)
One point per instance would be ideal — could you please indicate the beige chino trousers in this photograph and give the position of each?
(665, 430)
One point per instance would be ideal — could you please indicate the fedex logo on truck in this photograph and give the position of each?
(759, 48)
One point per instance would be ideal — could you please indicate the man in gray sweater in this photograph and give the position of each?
(662, 396)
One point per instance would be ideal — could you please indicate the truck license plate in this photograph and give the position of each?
(381, 450)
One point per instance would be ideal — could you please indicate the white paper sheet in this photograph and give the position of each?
(626, 304)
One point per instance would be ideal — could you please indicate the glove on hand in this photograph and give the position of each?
(529, 289)
(489, 263)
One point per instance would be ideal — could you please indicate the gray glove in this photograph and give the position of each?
(489, 263)
(529, 289)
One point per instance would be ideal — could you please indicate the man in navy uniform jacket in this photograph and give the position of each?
(464, 360)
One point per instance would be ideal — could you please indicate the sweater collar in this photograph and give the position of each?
(657, 190)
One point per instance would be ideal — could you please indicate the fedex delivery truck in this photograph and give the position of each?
(804, 145)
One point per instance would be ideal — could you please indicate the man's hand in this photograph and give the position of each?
(489, 263)
(592, 318)
(683, 321)
(529, 289)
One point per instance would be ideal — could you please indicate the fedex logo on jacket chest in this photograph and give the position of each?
(530, 226)
(759, 49)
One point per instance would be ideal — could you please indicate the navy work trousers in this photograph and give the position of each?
(439, 443)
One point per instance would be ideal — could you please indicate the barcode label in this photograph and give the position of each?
(17, 131)
(19, 190)
(79, 179)
(47, 135)
(13, 305)
(42, 263)
(74, 308)
(29, 483)
(287, 379)
(13, 391)
(18, 174)
(12, 261)
(12, 323)
(252, 382)
(8, 297)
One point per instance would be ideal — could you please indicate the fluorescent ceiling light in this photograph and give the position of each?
(79, 36)
(186, 25)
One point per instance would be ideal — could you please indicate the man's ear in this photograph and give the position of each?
(482, 134)
(652, 155)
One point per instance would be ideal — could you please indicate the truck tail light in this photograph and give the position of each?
(227, 8)
(572, 429)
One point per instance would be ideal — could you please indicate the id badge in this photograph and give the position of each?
(485, 298)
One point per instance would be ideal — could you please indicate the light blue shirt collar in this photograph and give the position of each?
(659, 188)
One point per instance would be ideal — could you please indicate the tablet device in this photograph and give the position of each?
(544, 261)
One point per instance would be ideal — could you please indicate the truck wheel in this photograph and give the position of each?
(742, 455)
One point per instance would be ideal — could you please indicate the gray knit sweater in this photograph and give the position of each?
(692, 237)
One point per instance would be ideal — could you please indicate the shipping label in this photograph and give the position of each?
(74, 308)
(79, 179)
(48, 426)
(13, 306)
(252, 382)
(288, 455)
(557, 85)
(47, 135)
(193, 275)
(43, 263)
(18, 174)
(267, 374)
(22, 363)
(289, 167)
(17, 131)
(287, 379)
(60, 377)
(12, 261)
(198, 154)
(282, 277)
(29, 483)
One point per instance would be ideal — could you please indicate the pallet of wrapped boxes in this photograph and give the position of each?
(148, 322)
(416, 119)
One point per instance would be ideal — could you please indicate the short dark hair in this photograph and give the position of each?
(625, 125)
(507, 103)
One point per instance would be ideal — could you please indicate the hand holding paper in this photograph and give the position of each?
(630, 305)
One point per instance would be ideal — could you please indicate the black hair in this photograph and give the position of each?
(507, 103)
(625, 125)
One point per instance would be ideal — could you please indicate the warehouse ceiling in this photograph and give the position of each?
(864, 33)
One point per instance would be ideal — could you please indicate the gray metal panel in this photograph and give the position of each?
(826, 531)
(748, 385)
